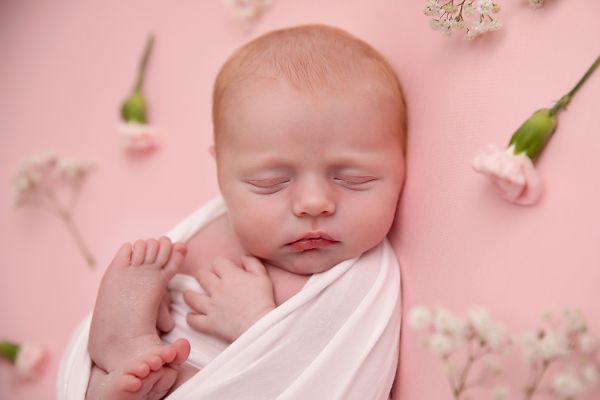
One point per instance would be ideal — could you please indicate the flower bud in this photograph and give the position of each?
(134, 108)
(532, 136)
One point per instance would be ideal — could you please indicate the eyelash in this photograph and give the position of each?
(275, 183)
(355, 180)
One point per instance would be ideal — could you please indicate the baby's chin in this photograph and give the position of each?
(309, 262)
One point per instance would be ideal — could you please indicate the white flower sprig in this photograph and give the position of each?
(29, 359)
(449, 16)
(477, 335)
(567, 343)
(536, 3)
(39, 183)
(139, 135)
(247, 10)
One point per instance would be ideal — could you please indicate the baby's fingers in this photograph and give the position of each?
(223, 267)
(202, 323)
(208, 280)
(199, 302)
(253, 265)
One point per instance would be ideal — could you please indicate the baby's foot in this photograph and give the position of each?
(142, 379)
(125, 316)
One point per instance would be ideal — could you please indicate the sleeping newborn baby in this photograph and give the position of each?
(309, 143)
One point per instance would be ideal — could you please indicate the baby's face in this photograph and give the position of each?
(326, 167)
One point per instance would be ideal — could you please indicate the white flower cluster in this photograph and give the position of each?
(448, 331)
(39, 172)
(44, 180)
(567, 342)
(449, 17)
(478, 333)
(247, 10)
(536, 3)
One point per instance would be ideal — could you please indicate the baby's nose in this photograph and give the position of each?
(314, 199)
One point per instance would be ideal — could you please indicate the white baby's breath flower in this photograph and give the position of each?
(479, 318)
(494, 25)
(500, 393)
(445, 27)
(468, 9)
(528, 343)
(70, 168)
(434, 24)
(590, 374)
(574, 320)
(536, 3)
(37, 184)
(496, 337)
(484, 6)
(440, 344)
(433, 9)
(445, 321)
(553, 344)
(587, 343)
(247, 10)
(566, 385)
(419, 317)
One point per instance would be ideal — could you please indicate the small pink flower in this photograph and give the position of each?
(139, 137)
(514, 176)
(32, 361)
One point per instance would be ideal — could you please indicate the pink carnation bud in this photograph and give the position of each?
(513, 176)
(32, 361)
(139, 137)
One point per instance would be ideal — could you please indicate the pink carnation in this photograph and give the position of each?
(31, 361)
(514, 176)
(139, 137)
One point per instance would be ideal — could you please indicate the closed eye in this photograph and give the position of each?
(354, 180)
(269, 184)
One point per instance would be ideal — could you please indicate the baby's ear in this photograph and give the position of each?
(211, 150)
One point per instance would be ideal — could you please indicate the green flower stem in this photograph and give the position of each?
(68, 220)
(143, 63)
(560, 104)
(9, 351)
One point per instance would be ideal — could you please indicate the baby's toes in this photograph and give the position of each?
(155, 362)
(168, 354)
(123, 257)
(164, 383)
(125, 383)
(164, 251)
(177, 256)
(139, 369)
(151, 251)
(182, 348)
(139, 252)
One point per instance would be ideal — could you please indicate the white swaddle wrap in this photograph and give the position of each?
(337, 338)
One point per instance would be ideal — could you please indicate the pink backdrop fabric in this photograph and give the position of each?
(67, 65)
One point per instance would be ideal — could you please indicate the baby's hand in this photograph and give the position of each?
(236, 297)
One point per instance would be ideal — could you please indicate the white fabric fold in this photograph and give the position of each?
(337, 338)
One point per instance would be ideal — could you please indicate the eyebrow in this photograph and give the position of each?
(275, 161)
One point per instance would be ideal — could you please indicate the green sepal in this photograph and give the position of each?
(9, 351)
(134, 108)
(532, 136)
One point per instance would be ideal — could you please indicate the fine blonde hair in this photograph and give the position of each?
(308, 57)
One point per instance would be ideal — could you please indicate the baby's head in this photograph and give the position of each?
(310, 137)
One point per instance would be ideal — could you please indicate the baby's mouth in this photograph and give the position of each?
(311, 241)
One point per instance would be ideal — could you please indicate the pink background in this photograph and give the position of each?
(67, 65)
